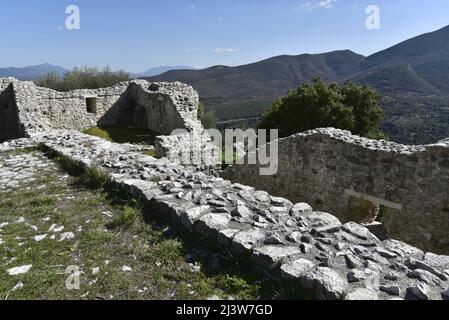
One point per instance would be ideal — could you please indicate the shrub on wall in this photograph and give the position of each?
(83, 78)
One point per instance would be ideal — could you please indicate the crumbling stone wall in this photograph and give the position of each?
(41, 109)
(307, 250)
(350, 176)
(159, 107)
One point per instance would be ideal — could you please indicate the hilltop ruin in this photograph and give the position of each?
(309, 250)
(26, 109)
(398, 191)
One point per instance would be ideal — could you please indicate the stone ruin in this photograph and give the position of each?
(397, 191)
(308, 250)
(26, 109)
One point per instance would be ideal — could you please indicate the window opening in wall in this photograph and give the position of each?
(91, 105)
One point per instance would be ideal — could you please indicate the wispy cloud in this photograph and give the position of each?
(225, 50)
(311, 5)
(326, 4)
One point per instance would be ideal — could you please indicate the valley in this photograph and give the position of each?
(412, 77)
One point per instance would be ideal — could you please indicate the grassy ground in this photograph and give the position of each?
(119, 255)
(123, 135)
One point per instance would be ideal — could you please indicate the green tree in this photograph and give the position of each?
(317, 105)
(365, 104)
(207, 118)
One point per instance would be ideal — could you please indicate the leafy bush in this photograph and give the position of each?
(317, 105)
(83, 78)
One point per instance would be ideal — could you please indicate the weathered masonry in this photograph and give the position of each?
(302, 248)
(310, 251)
(406, 188)
(26, 109)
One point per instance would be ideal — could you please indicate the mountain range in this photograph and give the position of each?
(31, 72)
(159, 70)
(412, 78)
(266, 79)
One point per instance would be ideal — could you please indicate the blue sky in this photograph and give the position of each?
(138, 34)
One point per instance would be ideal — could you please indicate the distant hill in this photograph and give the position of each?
(264, 80)
(401, 78)
(422, 60)
(159, 70)
(412, 77)
(34, 72)
(433, 46)
(31, 72)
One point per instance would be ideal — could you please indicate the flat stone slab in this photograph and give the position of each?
(272, 256)
(324, 283)
(292, 270)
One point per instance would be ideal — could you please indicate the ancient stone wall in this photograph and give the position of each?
(41, 108)
(159, 107)
(352, 177)
(307, 250)
(301, 247)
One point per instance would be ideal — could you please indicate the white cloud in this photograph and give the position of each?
(225, 50)
(190, 50)
(309, 5)
(326, 4)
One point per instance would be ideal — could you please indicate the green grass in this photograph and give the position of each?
(123, 135)
(125, 219)
(110, 232)
(151, 153)
(97, 132)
